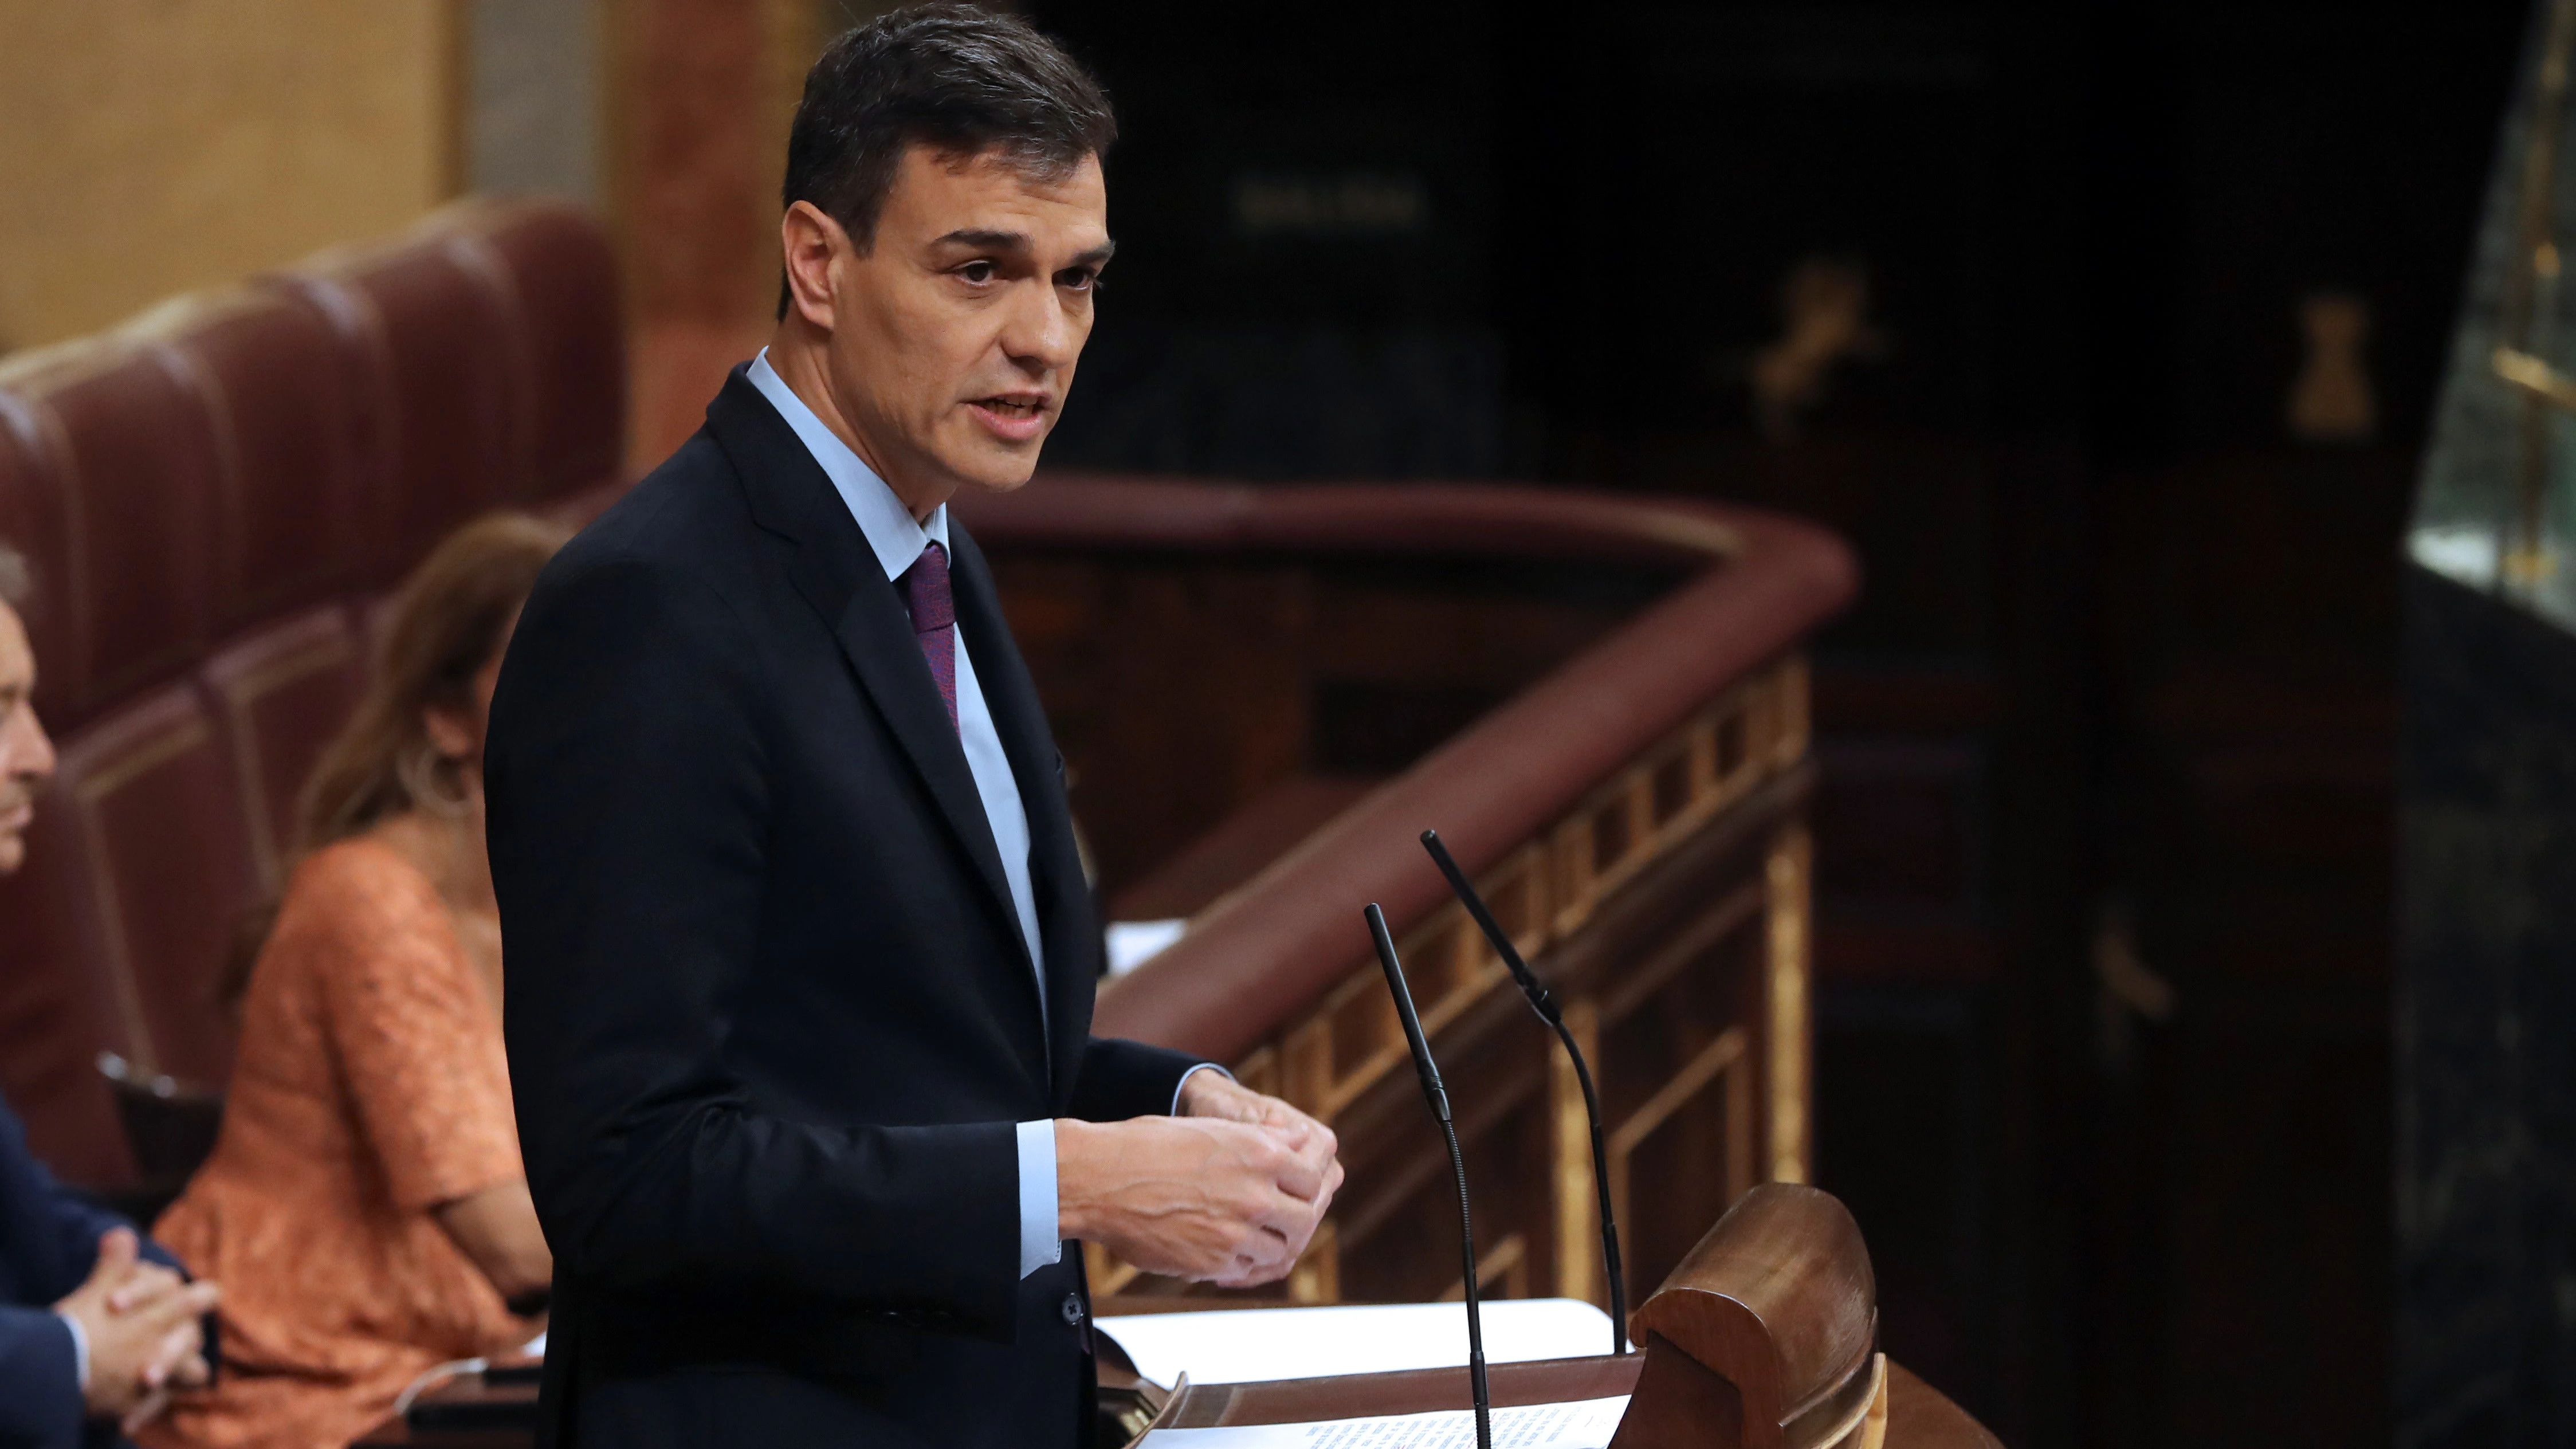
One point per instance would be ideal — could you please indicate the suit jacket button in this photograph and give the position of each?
(1073, 1309)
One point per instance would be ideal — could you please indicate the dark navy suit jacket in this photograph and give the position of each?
(48, 1243)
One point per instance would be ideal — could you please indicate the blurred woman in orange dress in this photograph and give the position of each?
(365, 1207)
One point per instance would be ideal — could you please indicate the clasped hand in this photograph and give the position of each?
(143, 1323)
(1228, 1193)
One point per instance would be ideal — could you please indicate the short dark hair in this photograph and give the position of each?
(949, 76)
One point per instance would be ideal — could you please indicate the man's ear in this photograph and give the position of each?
(450, 733)
(809, 242)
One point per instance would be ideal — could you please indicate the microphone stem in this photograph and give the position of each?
(1601, 1186)
(1545, 1005)
(1475, 1312)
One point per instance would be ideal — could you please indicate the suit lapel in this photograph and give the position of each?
(1068, 924)
(836, 573)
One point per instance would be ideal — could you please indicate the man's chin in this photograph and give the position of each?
(994, 468)
(13, 853)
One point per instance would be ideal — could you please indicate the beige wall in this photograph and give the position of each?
(152, 146)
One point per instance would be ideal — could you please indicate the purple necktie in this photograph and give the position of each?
(934, 620)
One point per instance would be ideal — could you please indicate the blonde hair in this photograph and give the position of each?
(450, 619)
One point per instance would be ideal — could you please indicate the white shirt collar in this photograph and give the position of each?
(893, 535)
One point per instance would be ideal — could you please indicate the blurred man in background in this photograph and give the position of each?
(96, 1324)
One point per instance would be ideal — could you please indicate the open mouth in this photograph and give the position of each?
(1016, 418)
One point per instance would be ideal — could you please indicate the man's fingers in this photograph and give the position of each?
(117, 1251)
(1282, 1212)
(1299, 1173)
(193, 1372)
(181, 1310)
(1319, 1151)
(1267, 1256)
(144, 1283)
(144, 1412)
(176, 1350)
(1294, 1127)
(1299, 1179)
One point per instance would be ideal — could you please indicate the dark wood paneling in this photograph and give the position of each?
(2118, 693)
(1183, 690)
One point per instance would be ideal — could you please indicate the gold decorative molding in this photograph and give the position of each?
(1578, 1209)
(1317, 1278)
(1544, 891)
(1722, 1058)
(1106, 1272)
(1786, 876)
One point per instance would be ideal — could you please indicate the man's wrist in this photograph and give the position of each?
(1181, 1089)
(1072, 1136)
(80, 1350)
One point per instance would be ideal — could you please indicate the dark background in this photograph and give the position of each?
(2119, 702)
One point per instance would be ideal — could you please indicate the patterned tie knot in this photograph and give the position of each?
(925, 591)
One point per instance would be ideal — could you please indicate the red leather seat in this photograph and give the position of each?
(294, 483)
(435, 332)
(131, 448)
(158, 825)
(280, 695)
(564, 279)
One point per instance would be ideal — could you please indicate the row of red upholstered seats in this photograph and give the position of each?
(213, 495)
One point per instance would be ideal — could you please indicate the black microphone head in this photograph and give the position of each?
(1413, 1037)
(1501, 940)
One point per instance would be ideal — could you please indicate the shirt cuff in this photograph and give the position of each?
(80, 1346)
(1185, 1081)
(1039, 1246)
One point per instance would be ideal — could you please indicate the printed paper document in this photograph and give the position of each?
(1254, 1345)
(1578, 1424)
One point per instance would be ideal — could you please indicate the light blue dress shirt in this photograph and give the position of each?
(897, 539)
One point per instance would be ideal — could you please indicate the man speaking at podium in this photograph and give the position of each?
(800, 952)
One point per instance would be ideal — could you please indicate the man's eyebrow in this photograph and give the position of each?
(1018, 241)
(991, 241)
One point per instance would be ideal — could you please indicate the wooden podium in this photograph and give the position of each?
(1766, 1337)
(1917, 1415)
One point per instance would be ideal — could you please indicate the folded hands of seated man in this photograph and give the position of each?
(1227, 1193)
(143, 1324)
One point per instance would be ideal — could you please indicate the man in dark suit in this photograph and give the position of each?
(800, 952)
(96, 1325)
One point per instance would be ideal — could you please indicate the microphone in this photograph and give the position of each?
(1544, 1003)
(1429, 1071)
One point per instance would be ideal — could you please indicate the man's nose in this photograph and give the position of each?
(26, 750)
(1041, 334)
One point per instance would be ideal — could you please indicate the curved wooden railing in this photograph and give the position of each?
(1277, 945)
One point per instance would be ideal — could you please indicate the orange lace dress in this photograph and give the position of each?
(370, 1087)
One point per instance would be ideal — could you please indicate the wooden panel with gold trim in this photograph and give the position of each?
(1669, 911)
